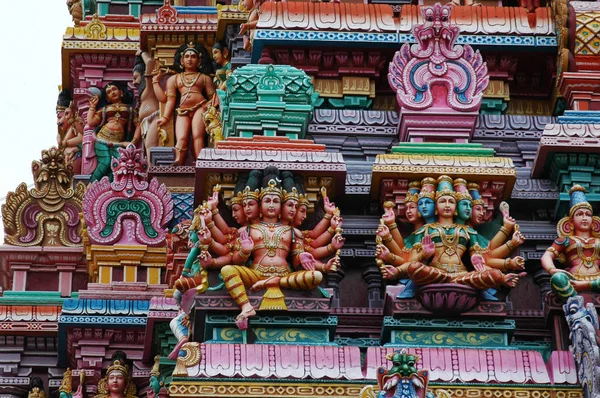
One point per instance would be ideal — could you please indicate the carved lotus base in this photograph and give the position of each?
(448, 298)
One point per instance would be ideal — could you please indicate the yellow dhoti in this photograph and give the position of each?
(238, 278)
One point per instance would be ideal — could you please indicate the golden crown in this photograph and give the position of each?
(36, 393)
(303, 200)
(292, 195)
(117, 366)
(271, 189)
(237, 199)
(250, 194)
(411, 198)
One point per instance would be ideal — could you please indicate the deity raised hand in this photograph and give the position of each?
(328, 206)
(383, 253)
(428, 246)
(389, 217)
(206, 260)
(382, 230)
(307, 261)
(478, 262)
(516, 264)
(247, 244)
(337, 242)
(390, 272)
(336, 221)
(517, 239)
(213, 200)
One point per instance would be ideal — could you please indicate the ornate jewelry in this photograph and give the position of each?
(588, 261)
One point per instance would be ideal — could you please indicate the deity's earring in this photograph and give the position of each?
(260, 214)
(570, 225)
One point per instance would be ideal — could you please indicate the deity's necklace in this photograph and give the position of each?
(271, 243)
(588, 261)
(271, 226)
(192, 82)
(448, 241)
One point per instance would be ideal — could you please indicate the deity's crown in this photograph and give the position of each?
(248, 193)
(117, 366)
(36, 392)
(303, 200)
(444, 187)
(427, 188)
(474, 191)
(292, 195)
(271, 189)
(578, 199)
(462, 193)
(412, 194)
(237, 198)
(191, 46)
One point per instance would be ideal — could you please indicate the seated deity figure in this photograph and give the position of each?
(437, 248)
(577, 250)
(258, 257)
(195, 88)
(115, 121)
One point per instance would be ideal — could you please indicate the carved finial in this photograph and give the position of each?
(48, 214)
(167, 14)
(95, 29)
(416, 68)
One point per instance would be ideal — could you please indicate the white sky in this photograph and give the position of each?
(30, 42)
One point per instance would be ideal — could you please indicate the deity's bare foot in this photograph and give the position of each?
(175, 353)
(241, 321)
(265, 283)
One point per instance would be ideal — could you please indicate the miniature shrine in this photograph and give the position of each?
(312, 199)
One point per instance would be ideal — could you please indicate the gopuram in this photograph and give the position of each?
(312, 198)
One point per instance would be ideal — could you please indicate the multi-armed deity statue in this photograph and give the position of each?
(577, 249)
(443, 223)
(265, 250)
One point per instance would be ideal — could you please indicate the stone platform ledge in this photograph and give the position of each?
(261, 143)
(564, 138)
(122, 291)
(294, 303)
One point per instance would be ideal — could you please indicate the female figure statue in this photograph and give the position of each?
(222, 58)
(114, 121)
(577, 249)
